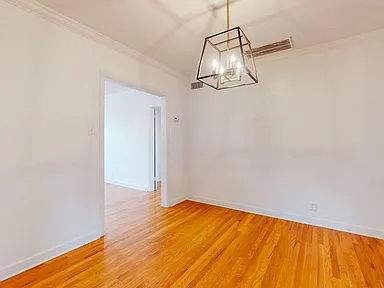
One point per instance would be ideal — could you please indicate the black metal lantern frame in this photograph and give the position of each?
(227, 61)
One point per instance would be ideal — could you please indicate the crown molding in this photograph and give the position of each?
(55, 17)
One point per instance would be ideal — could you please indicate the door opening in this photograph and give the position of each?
(132, 143)
(156, 160)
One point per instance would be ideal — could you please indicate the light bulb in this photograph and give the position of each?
(214, 63)
(221, 70)
(233, 58)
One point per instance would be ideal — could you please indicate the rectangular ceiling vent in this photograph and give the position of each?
(271, 48)
(196, 85)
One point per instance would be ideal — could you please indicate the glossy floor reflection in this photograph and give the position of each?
(198, 245)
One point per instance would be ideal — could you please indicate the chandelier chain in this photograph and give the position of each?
(227, 14)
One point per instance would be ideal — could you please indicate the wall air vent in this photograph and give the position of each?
(196, 85)
(271, 48)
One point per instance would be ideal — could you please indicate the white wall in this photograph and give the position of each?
(50, 186)
(127, 137)
(158, 148)
(311, 131)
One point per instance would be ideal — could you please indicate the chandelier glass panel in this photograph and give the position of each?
(227, 60)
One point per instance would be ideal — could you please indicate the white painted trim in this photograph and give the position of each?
(127, 185)
(53, 16)
(176, 201)
(158, 143)
(37, 259)
(164, 152)
(100, 136)
(151, 167)
(346, 227)
(151, 146)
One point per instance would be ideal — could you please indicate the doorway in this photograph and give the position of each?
(150, 140)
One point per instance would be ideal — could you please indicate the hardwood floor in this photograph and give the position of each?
(197, 245)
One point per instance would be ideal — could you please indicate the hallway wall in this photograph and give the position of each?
(127, 138)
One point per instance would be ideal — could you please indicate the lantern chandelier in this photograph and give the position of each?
(227, 60)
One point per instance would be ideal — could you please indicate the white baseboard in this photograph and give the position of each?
(37, 259)
(176, 201)
(126, 184)
(355, 229)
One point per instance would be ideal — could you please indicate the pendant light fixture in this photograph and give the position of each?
(226, 60)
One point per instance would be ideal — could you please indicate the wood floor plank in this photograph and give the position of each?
(198, 245)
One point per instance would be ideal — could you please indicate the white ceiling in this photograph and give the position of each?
(172, 31)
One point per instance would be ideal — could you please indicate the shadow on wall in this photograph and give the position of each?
(309, 132)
